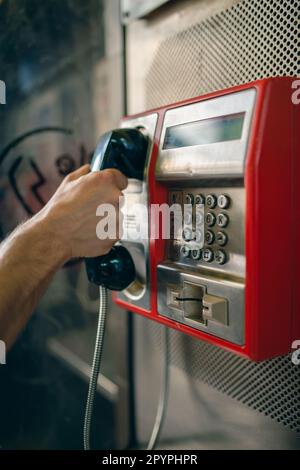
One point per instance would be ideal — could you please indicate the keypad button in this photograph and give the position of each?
(211, 201)
(221, 257)
(187, 234)
(199, 217)
(222, 220)
(196, 254)
(223, 201)
(210, 219)
(175, 197)
(185, 251)
(209, 237)
(199, 199)
(199, 236)
(208, 255)
(222, 238)
(189, 199)
(188, 218)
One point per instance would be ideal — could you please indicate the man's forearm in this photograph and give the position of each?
(28, 259)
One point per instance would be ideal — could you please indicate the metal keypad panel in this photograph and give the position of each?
(222, 231)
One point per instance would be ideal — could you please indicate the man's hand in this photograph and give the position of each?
(64, 228)
(71, 213)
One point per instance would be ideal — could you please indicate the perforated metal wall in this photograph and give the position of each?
(250, 40)
(271, 387)
(253, 39)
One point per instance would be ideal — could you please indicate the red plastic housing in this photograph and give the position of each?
(272, 295)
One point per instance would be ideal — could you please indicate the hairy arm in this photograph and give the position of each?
(28, 259)
(64, 229)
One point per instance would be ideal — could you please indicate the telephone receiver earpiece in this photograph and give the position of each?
(126, 151)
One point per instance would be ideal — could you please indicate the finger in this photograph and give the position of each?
(83, 170)
(116, 198)
(120, 180)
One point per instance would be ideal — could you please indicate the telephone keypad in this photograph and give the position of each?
(215, 209)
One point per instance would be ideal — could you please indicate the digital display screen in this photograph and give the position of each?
(207, 131)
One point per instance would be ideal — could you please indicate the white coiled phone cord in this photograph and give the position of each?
(163, 399)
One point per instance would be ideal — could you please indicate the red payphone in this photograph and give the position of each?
(233, 282)
(228, 271)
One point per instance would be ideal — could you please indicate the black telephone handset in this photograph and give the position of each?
(126, 151)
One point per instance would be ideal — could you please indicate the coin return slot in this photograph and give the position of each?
(192, 302)
(215, 309)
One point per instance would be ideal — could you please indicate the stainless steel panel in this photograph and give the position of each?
(210, 45)
(210, 160)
